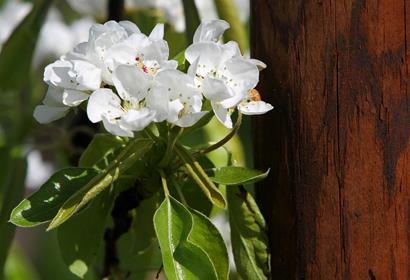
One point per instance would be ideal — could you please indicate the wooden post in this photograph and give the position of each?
(337, 201)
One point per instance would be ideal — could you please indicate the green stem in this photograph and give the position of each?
(170, 147)
(164, 182)
(224, 140)
(198, 174)
(179, 191)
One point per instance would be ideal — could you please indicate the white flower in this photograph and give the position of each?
(149, 53)
(128, 112)
(114, 44)
(73, 74)
(210, 31)
(223, 75)
(185, 101)
(70, 83)
(53, 107)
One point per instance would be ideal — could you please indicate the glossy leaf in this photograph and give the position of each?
(12, 189)
(43, 205)
(234, 175)
(180, 58)
(80, 237)
(129, 155)
(101, 151)
(17, 52)
(248, 235)
(191, 246)
(200, 177)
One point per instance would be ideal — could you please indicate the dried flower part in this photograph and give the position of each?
(254, 95)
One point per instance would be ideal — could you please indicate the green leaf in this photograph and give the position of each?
(81, 236)
(17, 52)
(200, 177)
(191, 246)
(12, 189)
(248, 235)
(43, 205)
(101, 151)
(138, 249)
(128, 156)
(180, 58)
(234, 175)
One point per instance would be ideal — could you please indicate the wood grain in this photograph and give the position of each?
(337, 201)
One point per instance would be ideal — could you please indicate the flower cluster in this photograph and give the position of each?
(130, 82)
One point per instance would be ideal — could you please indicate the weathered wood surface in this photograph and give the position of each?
(338, 198)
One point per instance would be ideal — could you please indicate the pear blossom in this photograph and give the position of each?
(223, 75)
(113, 44)
(185, 101)
(128, 81)
(53, 107)
(126, 112)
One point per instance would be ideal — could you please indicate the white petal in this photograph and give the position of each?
(58, 74)
(130, 27)
(222, 114)
(231, 49)
(138, 41)
(193, 67)
(190, 119)
(260, 64)
(131, 82)
(47, 114)
(243, 71)
(169, 64)
(209, 53)
(54, 97)
(88, 76)
(137, 120)
(158, 101)
(119, 54)
(210, 30)
(76, 74)
(158, 32)
(254, 107)
(158, 50)
(103, 102)
(174, 108)
(234, 100)
(115, 128)
(74, 98)
(215, 89)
